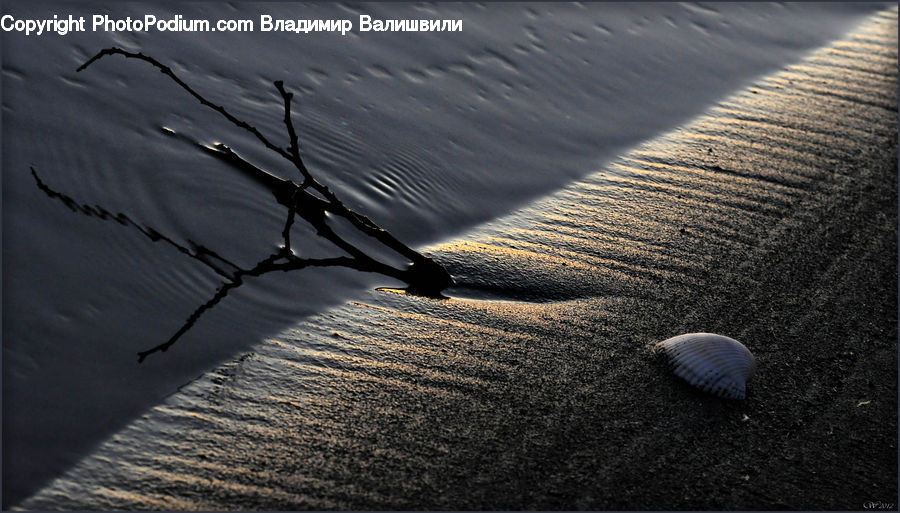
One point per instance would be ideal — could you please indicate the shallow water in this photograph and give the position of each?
(428, 133)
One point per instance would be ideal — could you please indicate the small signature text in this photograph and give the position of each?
(878, 505)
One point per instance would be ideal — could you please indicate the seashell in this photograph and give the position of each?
(714, 363)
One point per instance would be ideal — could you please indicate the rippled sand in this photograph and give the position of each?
(772, 219)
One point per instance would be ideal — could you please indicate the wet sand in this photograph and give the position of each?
(772, 219)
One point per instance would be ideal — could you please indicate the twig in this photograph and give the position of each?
(267, 265)
(424, 275)
(292, 135)
(168, 72)
(282, 260)
(200, 253)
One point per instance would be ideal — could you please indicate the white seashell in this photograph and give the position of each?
(714, 363)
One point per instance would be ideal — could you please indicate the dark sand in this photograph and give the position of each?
(773, 220)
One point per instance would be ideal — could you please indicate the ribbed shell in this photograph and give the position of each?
(714, 363)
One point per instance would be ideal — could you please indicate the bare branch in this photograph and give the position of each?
(200, 253)
(292, 135)
(265, 266)
(286, 232)
(282, 260)
(168, 72)
(423, 275)
(428, 277)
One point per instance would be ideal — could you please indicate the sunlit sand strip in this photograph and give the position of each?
(464, 328)
(842, 102)
(721, 220)
(782, 172)
(852, 96)
(709, 190)
(756, 134)
(863, 48)
(786, 122)
(719, 178)
(634, 273)
(406, 345)
(760, 131)
(640, 227)
(849, 66)
(599, 244)
(622, 187)
(575, 223)
(770, 219)
(856, 56)
(836, 77)
(794, 160)
(793, 104)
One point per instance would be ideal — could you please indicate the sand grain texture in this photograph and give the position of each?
(772, 219)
